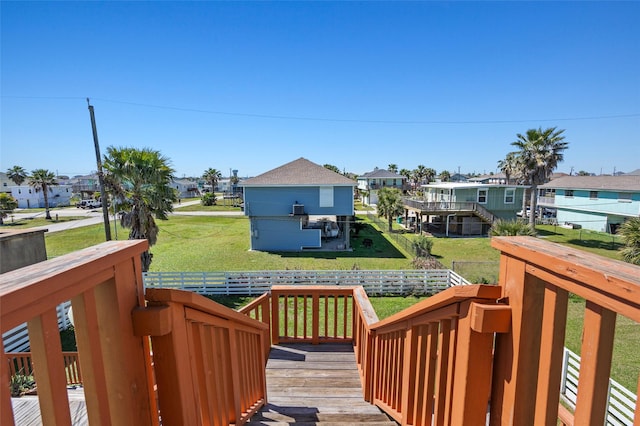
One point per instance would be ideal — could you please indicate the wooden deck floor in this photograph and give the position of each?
(316, 384)
(306, 385)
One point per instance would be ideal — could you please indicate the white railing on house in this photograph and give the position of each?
(255, 283)
(17, 339)
(621, 402)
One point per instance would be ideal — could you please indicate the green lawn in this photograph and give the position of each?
(218, 243)
(37, 221)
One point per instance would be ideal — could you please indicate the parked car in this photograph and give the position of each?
(89, 204)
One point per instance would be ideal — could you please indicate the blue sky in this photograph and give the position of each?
(253, 85)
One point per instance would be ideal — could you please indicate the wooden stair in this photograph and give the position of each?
(316, 385)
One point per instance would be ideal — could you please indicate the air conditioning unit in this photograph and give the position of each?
(298, 209)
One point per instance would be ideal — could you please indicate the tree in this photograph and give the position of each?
(7, 205)
(445, 175)
(509, 166)
(43, 180)
(212, 176)
(390, 204)
(17, 174)
(332, 168)
(630, 232)
(393, 168)
(540, 151)
(140, 181)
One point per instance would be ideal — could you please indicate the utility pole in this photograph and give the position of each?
(103, 195)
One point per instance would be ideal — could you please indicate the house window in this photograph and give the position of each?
(509, 195)
(326, 196)
(593, 195)
(482, 196)
(624, 197)
(568, 193)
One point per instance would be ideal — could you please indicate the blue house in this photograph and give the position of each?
(599, 203)
(300, 205)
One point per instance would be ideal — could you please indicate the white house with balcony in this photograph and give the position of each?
(29, 197)
(599, 203)
(370, 183)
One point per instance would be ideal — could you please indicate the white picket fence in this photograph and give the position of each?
(621, 403)
(254, 283)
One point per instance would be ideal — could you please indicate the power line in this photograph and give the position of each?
(329, 119)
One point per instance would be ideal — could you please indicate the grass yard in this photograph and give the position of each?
(218, 243)
(36, 221)
(595, 242)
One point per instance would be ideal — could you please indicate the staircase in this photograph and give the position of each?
(316, 385)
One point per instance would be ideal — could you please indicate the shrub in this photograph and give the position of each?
(20, 384)
(428, 262)
(209, 199)
(511, 228)
(423, 245)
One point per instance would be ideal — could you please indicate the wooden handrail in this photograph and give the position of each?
(21, 363)
(537, 277)
(433, 360)
(260, 309)
(308, 322)
(209, 360)
(104, 284)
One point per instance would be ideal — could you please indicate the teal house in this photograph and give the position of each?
(463, 208)
(598, 203)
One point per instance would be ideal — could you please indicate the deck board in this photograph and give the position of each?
(315, 384)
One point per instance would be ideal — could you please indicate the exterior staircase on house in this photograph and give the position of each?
(484, 214)
(316, 385)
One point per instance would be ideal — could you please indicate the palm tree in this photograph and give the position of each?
(17, 174)
(211, 176)
(509, 166)
(630, 232)
(42, 180)
(419, 174)
(7, 205)
(393, 168)
(390, 204)
(140, 179)
(445, 175)
(429, 174)
(540, 151)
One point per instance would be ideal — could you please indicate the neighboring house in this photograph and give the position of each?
(86, 185)
(5, 183)
(185, 188)
(457, 177)
(31, 198)
(599, 203)
(495, 178)
(370, 183)
(464, 208)
(297, 206)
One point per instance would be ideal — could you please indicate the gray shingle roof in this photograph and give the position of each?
(601, 183)
(299, 172)
(380, 173)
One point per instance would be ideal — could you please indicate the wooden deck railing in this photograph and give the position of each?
(536, 277)
(104, 284)
(21, 363)
(443, 360)
(209, 361)
(433, 360)
(311, 314)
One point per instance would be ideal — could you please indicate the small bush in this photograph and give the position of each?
(423, 245)
(209, 199)
(511, 228)
(20, 384)
(428, 262)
